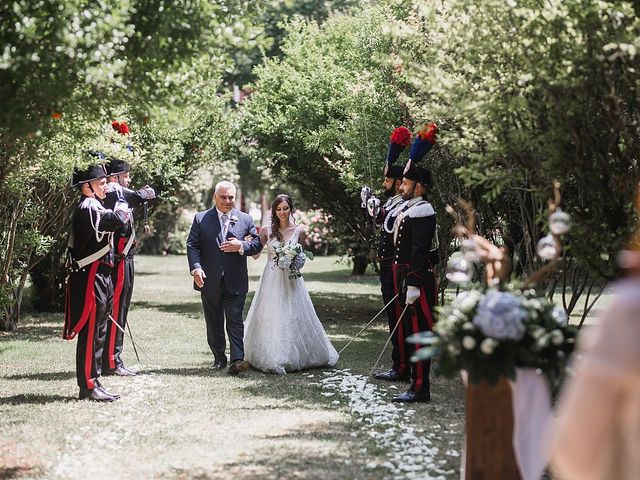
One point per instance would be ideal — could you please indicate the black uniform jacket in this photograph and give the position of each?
(413, 238)
(133, 198)
(91, 228)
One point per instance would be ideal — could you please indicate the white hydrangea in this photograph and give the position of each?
(467, 301)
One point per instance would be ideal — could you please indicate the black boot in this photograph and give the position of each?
(392, 376)
(412, 397)
(96, 394)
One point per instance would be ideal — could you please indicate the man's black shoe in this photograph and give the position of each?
(99, 385)
(392, 376)
(411, 397)
(97, 394)
(219, 365)
(238, 366)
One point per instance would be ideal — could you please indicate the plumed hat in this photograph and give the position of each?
(399, 140)
(115, 167)
(418, 173)
(422, 144)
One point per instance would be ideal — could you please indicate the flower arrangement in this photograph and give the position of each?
(292, 257)
(493, 330)
(490, 333)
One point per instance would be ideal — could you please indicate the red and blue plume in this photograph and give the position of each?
(400, 139)
(424, 141)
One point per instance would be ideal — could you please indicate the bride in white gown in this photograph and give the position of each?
(282, 331)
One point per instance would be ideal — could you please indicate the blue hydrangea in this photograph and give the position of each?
(501, 315)
(299, 261)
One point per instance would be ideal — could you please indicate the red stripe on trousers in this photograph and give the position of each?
(418, 365)
(67, 310)
(89, 353)
(400, 330)
(116, 313)
(89, 301)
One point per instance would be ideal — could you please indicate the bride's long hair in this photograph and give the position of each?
(275, 221)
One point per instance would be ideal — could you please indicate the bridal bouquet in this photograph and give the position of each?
(491, 333)
(292, 257)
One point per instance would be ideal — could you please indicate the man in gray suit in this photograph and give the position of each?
(217, 253)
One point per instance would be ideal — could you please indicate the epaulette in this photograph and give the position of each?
(419, 210)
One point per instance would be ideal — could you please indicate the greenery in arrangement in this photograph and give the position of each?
(493, 332)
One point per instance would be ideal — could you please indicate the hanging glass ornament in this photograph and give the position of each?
(459, 270)
(547, 248)
(559, 222)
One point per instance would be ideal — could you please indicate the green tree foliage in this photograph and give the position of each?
(67, 70)
(322, 114)
(528, 91)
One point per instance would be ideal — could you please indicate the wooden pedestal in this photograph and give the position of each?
(489, 432)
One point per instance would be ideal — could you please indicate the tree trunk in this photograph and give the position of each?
(9, 319)
(360, 263)
(48, 279)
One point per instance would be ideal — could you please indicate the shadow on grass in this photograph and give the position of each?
(34, 333)
(293, 462)
(33, 399)
(42, 376)
(190, 309)
(183, 372)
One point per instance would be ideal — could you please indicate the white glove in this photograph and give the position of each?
(122, 207)
(150, 192)
(413, 294)
(114, 187)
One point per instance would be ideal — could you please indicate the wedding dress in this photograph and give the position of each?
(282, 331)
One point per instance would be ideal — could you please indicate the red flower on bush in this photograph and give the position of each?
(121, 127)
(401, 136)
(56, 115)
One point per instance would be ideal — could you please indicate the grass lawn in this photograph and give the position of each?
(179, 420)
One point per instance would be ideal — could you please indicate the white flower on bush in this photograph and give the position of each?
(469, 342)
(467, 301)
(501, 315)
(488, 345)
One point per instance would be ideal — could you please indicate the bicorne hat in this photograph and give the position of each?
(115, 167)
(93, 172)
